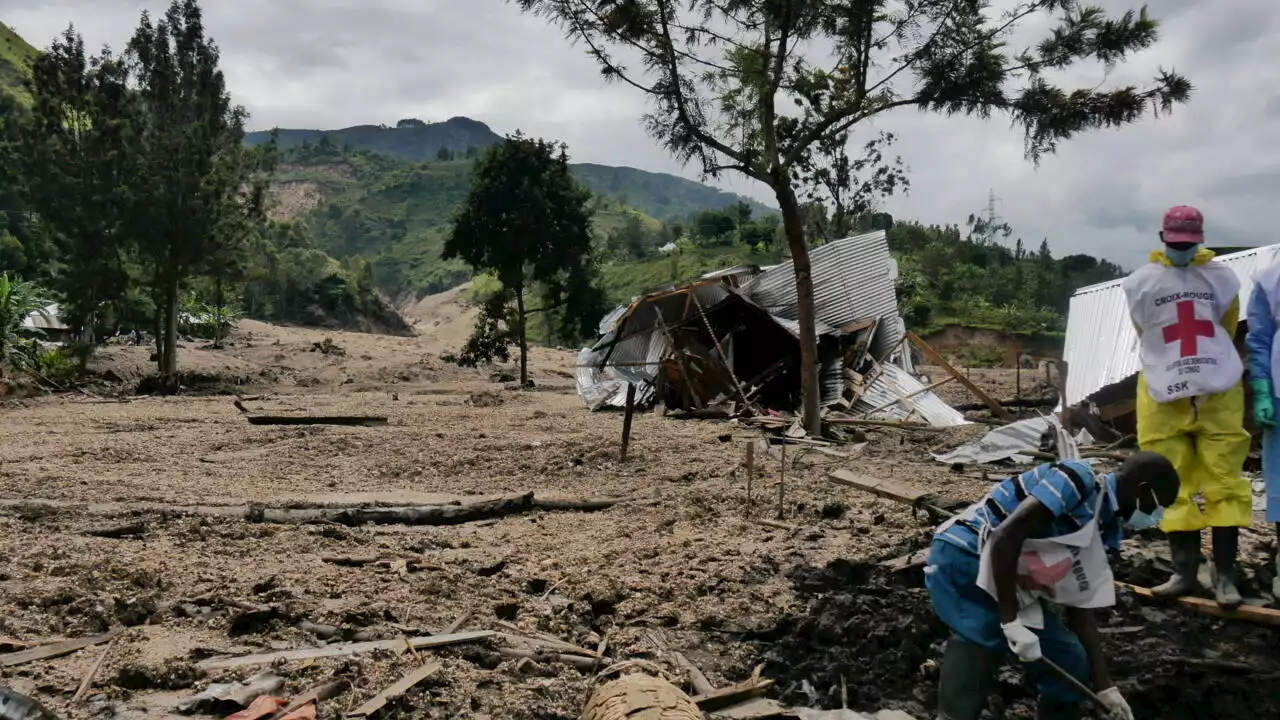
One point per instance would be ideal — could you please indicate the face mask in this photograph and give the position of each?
(1181, 258)
(1142, 521)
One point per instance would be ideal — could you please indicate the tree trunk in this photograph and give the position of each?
(217, 311)
(169, 354)
(521, 330)
(793, 225)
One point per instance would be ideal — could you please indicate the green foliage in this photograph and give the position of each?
(526, 221)
(18, 299)
(16, 58)
(61, 365)
(493, 335)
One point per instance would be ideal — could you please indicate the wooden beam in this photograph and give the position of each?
(52, 650)
(1265, 616)
(732, 695)
(341, 649)
(996, 408)
(890, 489)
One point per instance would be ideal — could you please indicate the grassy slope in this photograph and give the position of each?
(404, 212)
(16, 57)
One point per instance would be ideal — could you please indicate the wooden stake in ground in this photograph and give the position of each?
(626, 420)
(782, 484)
(751, 470)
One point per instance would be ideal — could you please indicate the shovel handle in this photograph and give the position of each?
(1075, 682)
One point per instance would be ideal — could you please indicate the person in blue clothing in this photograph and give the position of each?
(1042, 535)
(1264, 362)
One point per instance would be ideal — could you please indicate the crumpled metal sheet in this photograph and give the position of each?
(894, 382)
(1004, 442)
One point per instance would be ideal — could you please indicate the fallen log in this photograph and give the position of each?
(577, 505)
(640, 696)
(341, 649)
(53, 650)
(349, 420)
(131, 530)
(424, 515)
(396, 689)
(1015, 403)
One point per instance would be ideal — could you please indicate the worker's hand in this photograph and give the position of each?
(1264, 406)
(1024, 643)
(1117, 708)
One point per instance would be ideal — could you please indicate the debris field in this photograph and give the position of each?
(481, 551)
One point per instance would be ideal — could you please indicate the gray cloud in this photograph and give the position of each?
(335, 63)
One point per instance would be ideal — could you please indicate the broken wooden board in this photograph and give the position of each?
(890, 489)
(1265, 616)
(52, 650)
(396, 689)
(349, 420)
(341, 649)
(903, 563)
(725, 697)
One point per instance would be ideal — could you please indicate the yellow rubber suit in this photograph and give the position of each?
(1205, 439)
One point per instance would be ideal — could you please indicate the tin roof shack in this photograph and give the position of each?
(46, 324)
(1101, 346)
(729, 342)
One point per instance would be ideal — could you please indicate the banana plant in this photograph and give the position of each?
(18, 299)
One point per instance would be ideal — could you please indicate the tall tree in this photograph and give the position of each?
(72, 159)
(191, 166)
(526, 221)
(755, 86)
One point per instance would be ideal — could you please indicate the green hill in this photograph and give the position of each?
(659, 195)
(394, 214)
(16, 57)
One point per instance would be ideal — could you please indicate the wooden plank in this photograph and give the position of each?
(396, 689)
(341, 649)
(732, 695)
(53, 650)
(358, 420)
(1265, 616)
(996, 408)
(891, 489)
(87, 682)
(910, 561)
(699, 681)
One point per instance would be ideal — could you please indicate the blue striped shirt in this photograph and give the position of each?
(1069, 496)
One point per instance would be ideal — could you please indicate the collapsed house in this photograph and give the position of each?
(1101, 346)
(728, 342)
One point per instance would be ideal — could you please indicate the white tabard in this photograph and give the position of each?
(1184, 349)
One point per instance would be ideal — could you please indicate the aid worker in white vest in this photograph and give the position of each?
(1186, 307)
(1263, 342)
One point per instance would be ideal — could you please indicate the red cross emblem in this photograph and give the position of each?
(1040, 576)
(1188, 330)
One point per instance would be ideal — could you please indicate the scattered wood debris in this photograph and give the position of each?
(53, 650)
(396, 689)
(338, 650)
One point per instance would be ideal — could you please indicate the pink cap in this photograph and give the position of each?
(1183, 224)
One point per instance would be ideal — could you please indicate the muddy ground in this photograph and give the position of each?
(683, 566)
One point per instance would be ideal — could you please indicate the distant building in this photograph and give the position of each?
(46, 324)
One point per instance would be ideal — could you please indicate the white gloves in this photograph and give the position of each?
(1117, 707)
(1024, 643)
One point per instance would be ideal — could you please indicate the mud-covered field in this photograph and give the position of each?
(682, 565)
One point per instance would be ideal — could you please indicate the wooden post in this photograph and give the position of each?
(626, 420)
(936, 358)
(1017, 362)
(1062, 396)
(751, 470)
(782, 484)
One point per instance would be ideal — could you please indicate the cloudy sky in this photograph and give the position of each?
(335, 63)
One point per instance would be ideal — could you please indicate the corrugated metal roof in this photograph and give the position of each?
(46, 318)
(853, 279)
(882, 392)
(1101, 346)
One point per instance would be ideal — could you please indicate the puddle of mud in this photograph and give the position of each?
(876, 634)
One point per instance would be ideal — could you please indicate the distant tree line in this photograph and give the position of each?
(127, 190)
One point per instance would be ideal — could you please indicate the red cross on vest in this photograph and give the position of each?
(1187, 331)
